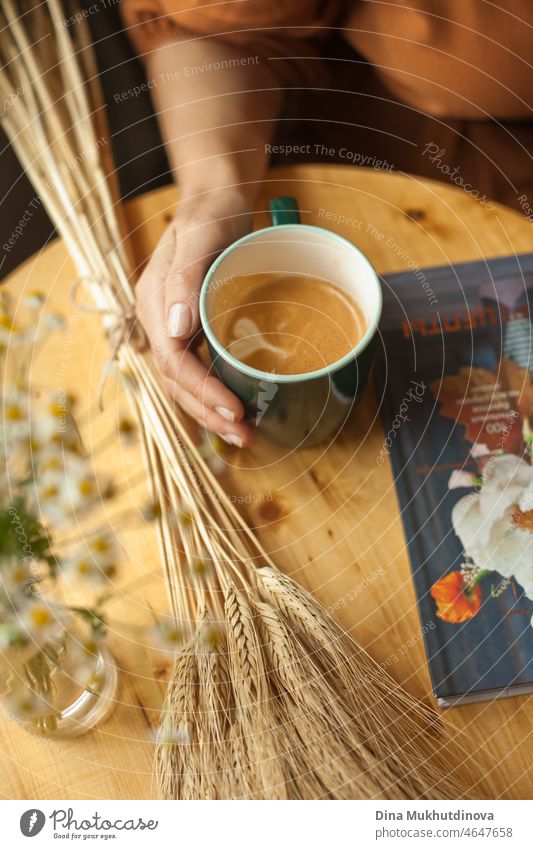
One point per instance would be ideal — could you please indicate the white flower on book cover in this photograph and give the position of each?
(495, 524)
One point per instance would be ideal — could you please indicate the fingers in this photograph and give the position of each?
(184, 369)
(205, 398)
(238, 434)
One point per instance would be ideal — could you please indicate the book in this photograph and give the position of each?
(454, 375)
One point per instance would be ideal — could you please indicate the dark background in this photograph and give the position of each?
(137, 147)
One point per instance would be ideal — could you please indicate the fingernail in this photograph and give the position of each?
(225, 413)
(179, 321)
(232, 439)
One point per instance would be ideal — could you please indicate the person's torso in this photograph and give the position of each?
(466, 59)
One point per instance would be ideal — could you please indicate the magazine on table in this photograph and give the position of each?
(454, 377)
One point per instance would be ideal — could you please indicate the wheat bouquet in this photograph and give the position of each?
(268, 698)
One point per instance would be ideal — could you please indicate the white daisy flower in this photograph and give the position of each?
(199, 565)
(83, 489)
(215, 451)
(104, 546)
(14, 335)
(50, 457)
(42, 621)
(55, 414)
(165, 636)
(50, 497)
(95, 560)
(85, 661)
(209, 637)
(177, 735)
(34, 299)
(15, 415)
(15, 573)
(47, 433)
(150, 511)
(8, 329)
(127, 430)
(24, 703)
(12, 634)
(54, 320)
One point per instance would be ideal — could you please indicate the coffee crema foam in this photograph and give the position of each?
(286, 323)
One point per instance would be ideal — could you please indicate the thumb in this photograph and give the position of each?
(181, 303)
(195, 252)
(182, 289)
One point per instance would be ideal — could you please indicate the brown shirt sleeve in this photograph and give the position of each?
(286, 33)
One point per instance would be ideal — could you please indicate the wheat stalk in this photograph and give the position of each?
(268, 698)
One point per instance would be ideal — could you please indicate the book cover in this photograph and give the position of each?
(455, 387)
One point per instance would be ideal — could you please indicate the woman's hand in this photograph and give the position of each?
(216, 126)
(167, 307)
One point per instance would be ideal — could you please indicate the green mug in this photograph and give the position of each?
(296, 410)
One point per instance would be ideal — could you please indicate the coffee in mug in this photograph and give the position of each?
(290, 313)
(286, 323)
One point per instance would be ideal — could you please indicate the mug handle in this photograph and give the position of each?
(284, 210)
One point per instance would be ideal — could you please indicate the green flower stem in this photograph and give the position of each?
(37, 671)
(479, 575)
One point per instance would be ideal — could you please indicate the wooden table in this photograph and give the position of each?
(330, 518)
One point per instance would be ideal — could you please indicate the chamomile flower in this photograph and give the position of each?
(50, 497)
(90, 677)
(54, 320)
(50, 458)
(41, 620)
(95, 560)
(15, 575)
(150, 511)
(62, 434)
(86, 661)
(104, 546)
(175, 735)
(55, 418)
(127, 377)
(7, 328)
(83, 490)
(15, 415)
(198, 565)
(34, 299)
(12, 633)
(209, 637)
(214, 451)
(127, 430)
(24, 703)
(13, 335)
(82, 567)
(6, 300)
(165, 636)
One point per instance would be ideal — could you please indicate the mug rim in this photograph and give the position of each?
(250, 371)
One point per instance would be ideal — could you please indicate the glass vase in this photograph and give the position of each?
(64, 689)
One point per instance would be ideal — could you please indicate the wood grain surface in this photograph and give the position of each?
(328, 515)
